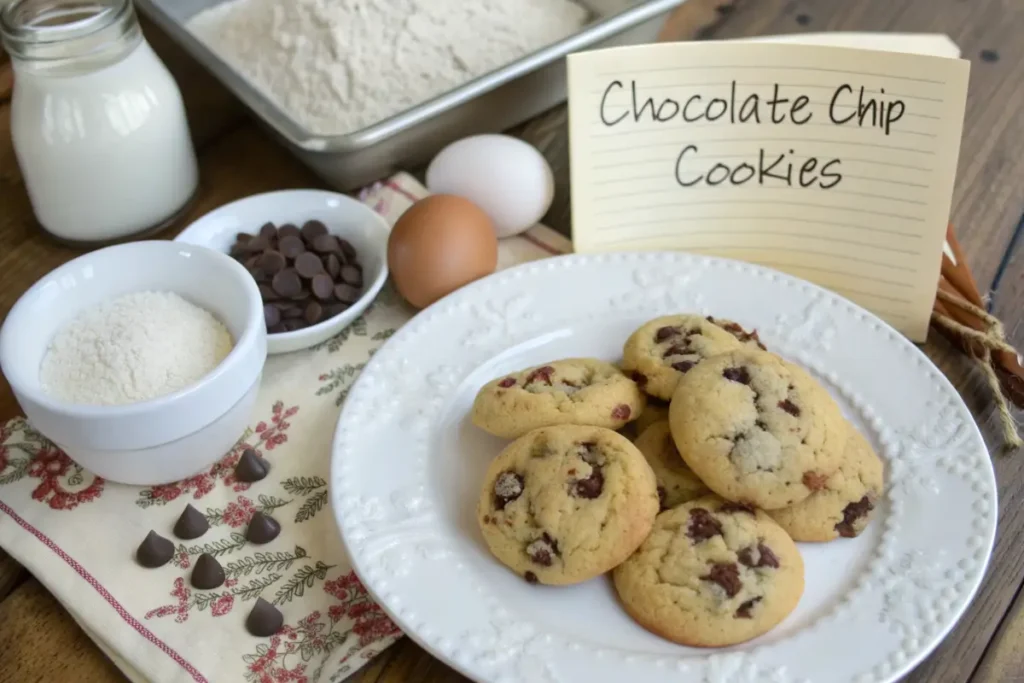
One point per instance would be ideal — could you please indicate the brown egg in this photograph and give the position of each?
(439, 244)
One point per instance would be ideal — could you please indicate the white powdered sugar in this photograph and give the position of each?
(134, 348)
(340, 65)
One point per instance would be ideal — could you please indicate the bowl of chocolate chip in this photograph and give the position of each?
(319, 258)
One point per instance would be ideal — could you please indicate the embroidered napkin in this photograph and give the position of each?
(77, 533)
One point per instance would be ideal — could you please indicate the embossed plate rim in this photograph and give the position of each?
(917, 593)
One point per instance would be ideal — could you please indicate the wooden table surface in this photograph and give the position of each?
(40, 642)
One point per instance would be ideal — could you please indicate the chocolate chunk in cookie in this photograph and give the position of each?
(726, 575)
(852, 513)
(759, 556)
(702, 525)
(543, 550)
(507, 487)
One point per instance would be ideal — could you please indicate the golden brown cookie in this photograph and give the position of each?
(677, 483)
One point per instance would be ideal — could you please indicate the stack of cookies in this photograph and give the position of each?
(738, 454)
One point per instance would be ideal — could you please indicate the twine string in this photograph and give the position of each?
(984, 342)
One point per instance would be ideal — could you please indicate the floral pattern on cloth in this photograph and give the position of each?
(78, 533)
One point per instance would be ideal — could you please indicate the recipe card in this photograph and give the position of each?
(833, 164)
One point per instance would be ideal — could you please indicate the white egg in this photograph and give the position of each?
(506, 177)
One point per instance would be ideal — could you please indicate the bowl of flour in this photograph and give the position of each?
(141, 361)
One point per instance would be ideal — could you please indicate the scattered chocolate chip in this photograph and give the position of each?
(311, 230)
(815, 481)
(639, 377)
(989, 56)
(530, 577)
(288, 230)
(251, 467)
(765, 557)
(543, 374)
(308, 264)
(262, 529)
(507, 382)
(291, 246)
(741, 375)
(207, 573)
(664, 333)
(191, 524)
(743, 611)
(621, 412)
(731, 507)
(264, 620)
(287, 283)
(592, 486)
(683, 365)
(702, 525)
(351, 275)
(154, 551)
(543, 550)
(507, 487)
(346, 294)
(851, 513)
(790, 407)
(271, 315)
(726, 575)
(661, 498)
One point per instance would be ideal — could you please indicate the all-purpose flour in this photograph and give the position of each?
(340, 65)
(134, 348)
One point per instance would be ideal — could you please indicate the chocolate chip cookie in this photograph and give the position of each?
(661, 351)
(749, 339)
(757, 429)
(581, 391)
(564, 504)
(656, 411)
(677, 483)
(843, 508)
(711, 574)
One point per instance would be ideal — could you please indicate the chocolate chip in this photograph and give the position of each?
(322, 286)
(257, 244)
(271, 315)
(851, 513)
(741, 375)
(765, 557)
(268, 231)
(815, 481)
(333, 265)
(347, 250)
(507, 382)
(743, 611)
(664, 333)
(589, 453)
(543, 374)
(790, 407)
(308, 264)
(332, 310)
(989, 56)
(677, 350)
(191, 524)
(154, 551)
(351, 275)
(346, 293)
(702, 525)
(290, 310)
(287, 283)
(251, 467)
(592, 486)
(683, 365)
(207, 573)
(291, 246)
(262, 529)
(543, 550)
(507, 487)
(621, 412)
(311, 230)
(264, 620)
(731, 507)
(267, 293)
(288, 230)
(292, 324)
(271, 262)
(530, 577)
(326, 244)
(726, 575)
(314, 313)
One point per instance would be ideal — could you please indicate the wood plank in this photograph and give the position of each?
(40, 642)
(11, 574)
(1004, 659)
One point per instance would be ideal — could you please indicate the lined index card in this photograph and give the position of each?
(833, 164)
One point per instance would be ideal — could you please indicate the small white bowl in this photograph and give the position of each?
(167, 438)
(345, 217)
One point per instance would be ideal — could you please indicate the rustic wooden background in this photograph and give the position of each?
(40, 642)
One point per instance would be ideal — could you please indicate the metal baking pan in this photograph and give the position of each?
(491, 103)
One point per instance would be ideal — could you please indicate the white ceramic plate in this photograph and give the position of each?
(345, 217)
(407, 467)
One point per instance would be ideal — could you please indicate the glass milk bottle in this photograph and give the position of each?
(97, 121)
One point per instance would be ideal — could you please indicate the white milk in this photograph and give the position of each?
(103, 146)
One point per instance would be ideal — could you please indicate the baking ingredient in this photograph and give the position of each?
(506, 177)
(251, 467)
(134, 348)
(207, 573)
(262, 529)
(264, 619)
(305, 275)
(336, 66)
(98, 128)
(154, 551)
(191, 524)
(439, 244)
